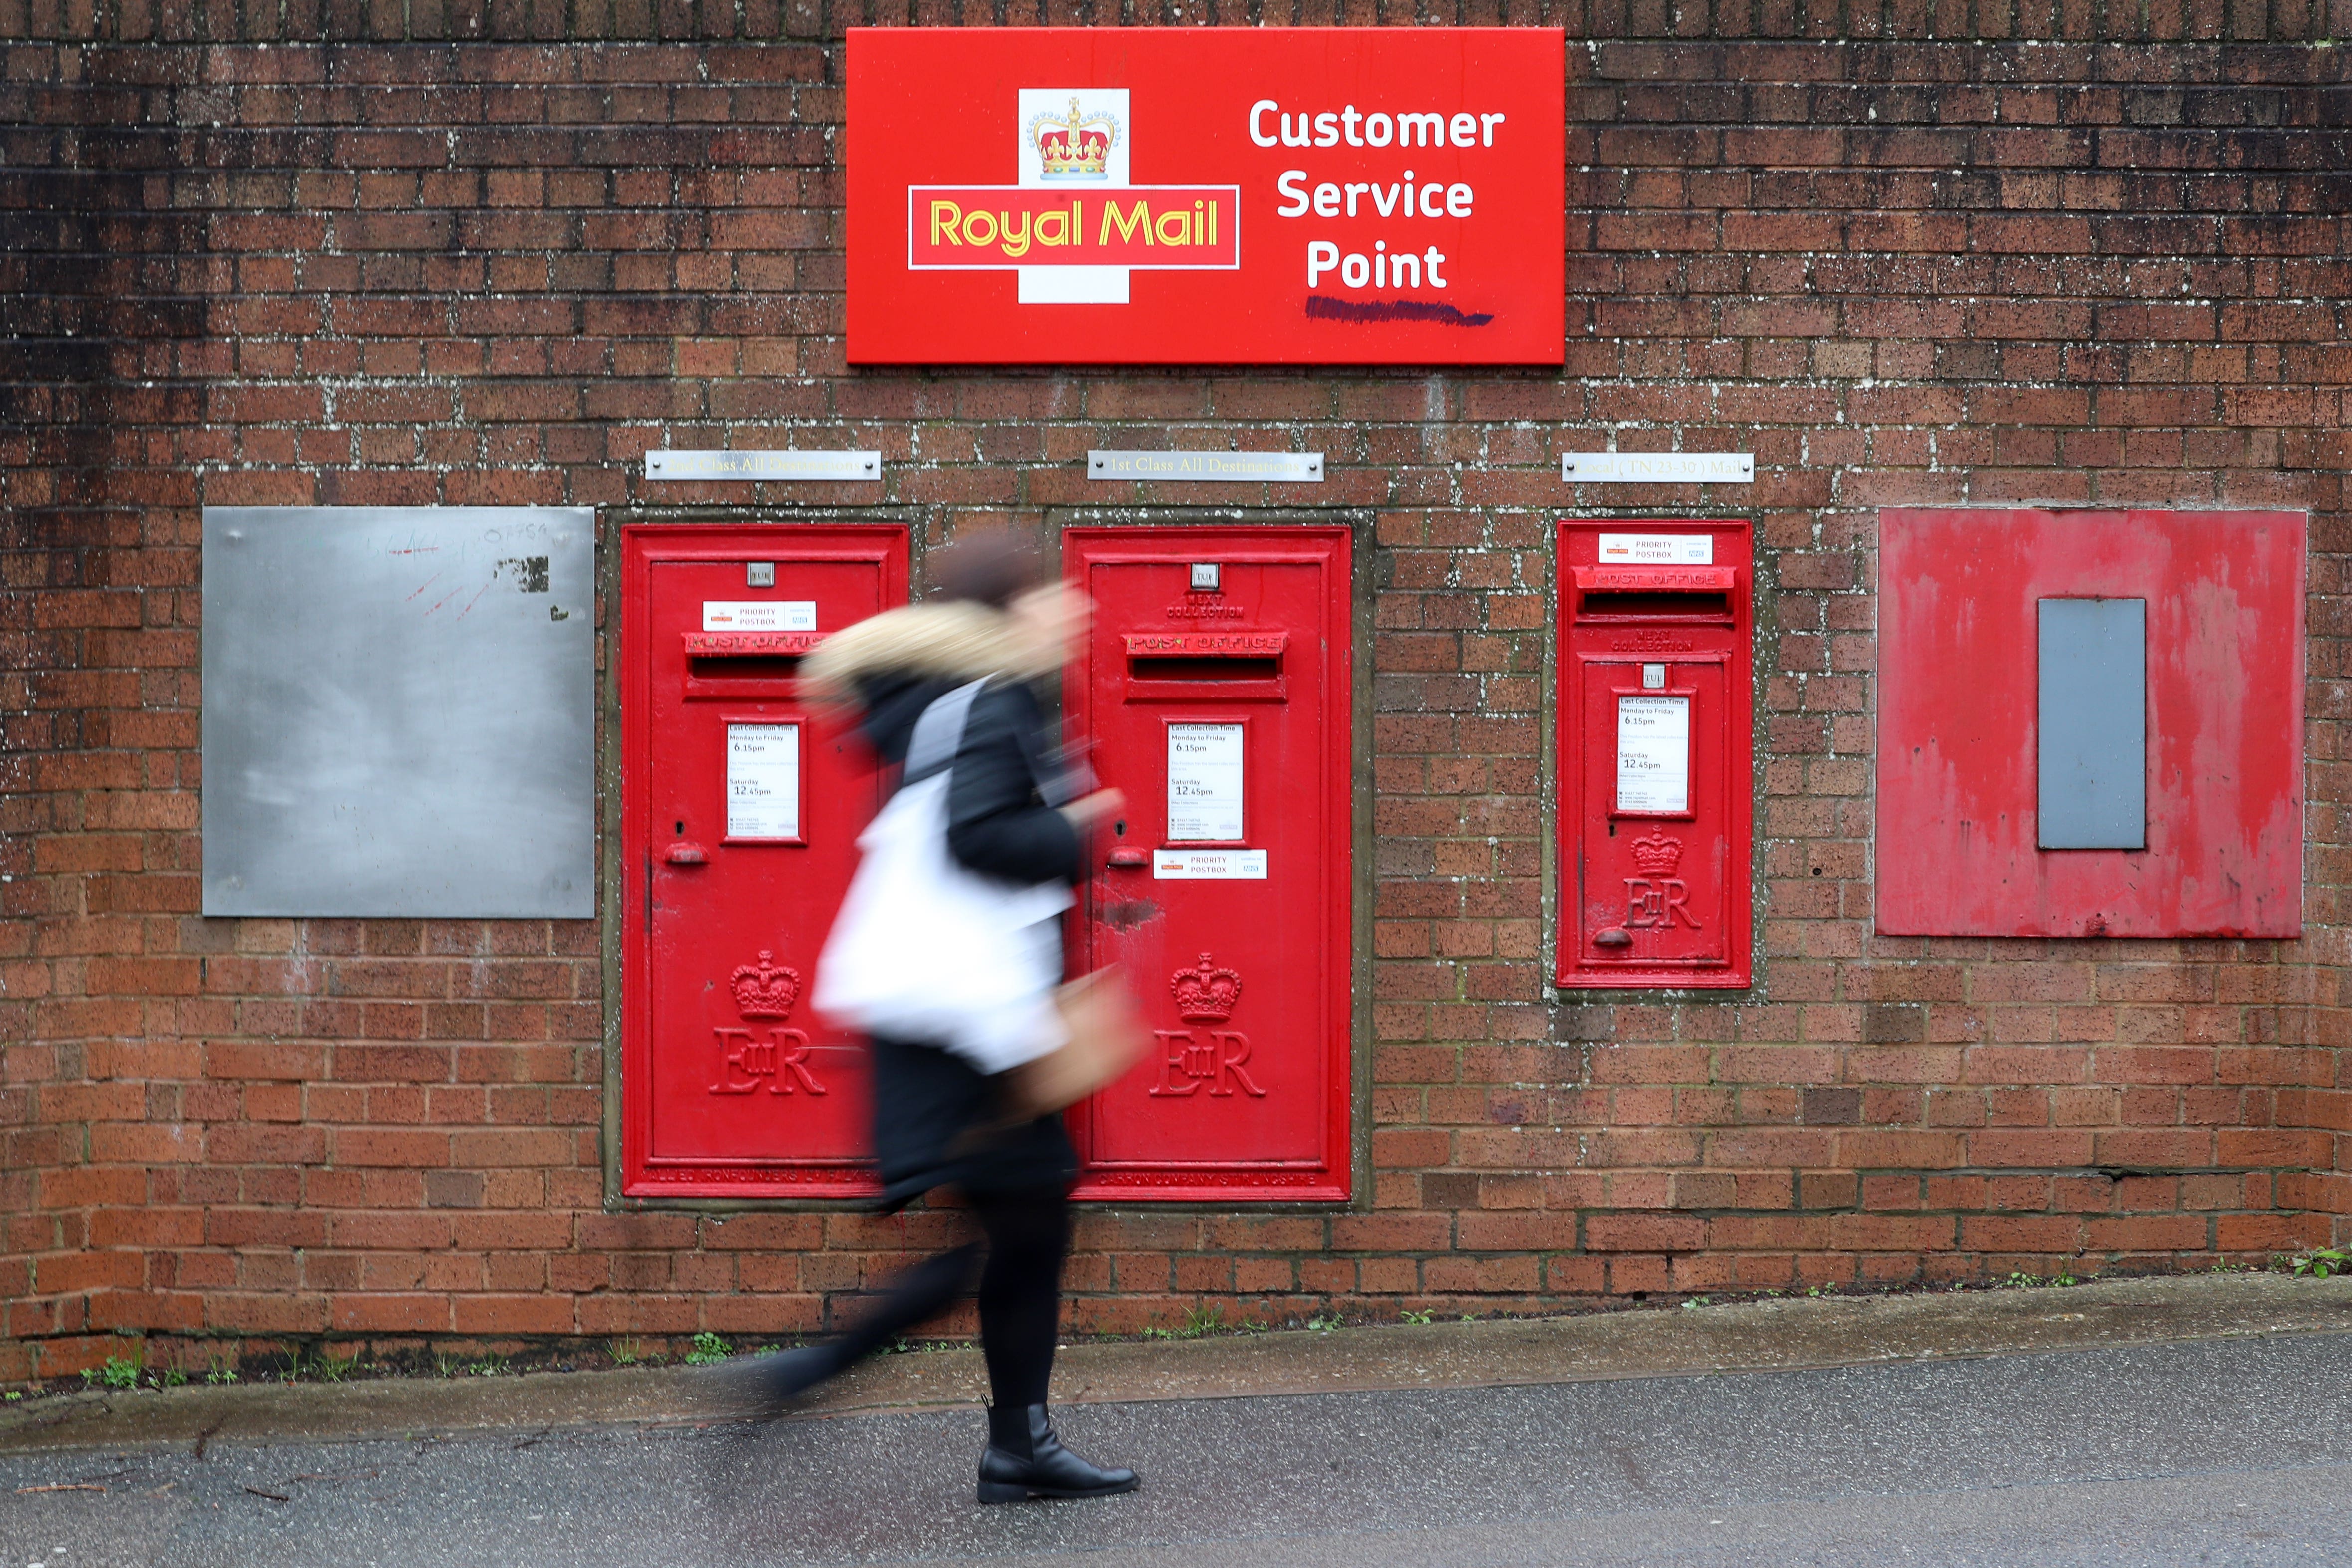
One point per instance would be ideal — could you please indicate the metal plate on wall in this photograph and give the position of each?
(1658, 467)
(1277, 467)
(710, 464)
(399, 711)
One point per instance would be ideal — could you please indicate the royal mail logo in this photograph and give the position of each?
(1073, 248)
(1077, 148)
(994, 227)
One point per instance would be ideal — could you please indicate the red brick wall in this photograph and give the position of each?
(2094, 258)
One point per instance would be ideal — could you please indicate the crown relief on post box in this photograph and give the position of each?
(1188, 1061)
(766, 990)
(776, 1056)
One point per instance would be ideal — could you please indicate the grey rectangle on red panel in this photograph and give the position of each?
(2093, 724)
(399, 711)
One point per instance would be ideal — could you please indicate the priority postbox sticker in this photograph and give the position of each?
(1657, 549)
(1209, 866)
(759, 615)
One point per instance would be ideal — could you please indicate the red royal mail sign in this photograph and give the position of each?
(1174, 195)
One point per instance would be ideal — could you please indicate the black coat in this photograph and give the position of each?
(999, 823)
(938, 1120)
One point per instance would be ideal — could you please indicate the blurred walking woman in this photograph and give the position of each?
(945, 687)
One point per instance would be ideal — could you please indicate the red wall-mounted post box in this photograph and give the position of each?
(1216, 689)
(739, 815)
(1656, 688)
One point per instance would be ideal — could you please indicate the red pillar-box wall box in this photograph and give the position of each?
(1215, 689)
(739, 814)
(2090, 723)
(1655, 753)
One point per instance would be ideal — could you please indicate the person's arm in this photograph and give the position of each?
(998, 825)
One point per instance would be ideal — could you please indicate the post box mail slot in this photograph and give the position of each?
(740, 813)
(745, 663)
(1240, 665)
(1655, 758)
(1225, 891)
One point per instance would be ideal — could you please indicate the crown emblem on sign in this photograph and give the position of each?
(765, 989)
(1658, 855)
(1076, 147)
(1205, 995)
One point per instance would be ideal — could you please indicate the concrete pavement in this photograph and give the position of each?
(2163, 1421)
(1765, 1335)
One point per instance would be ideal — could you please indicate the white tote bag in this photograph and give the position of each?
(925, 949)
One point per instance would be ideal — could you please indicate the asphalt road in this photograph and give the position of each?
(2223, 1451)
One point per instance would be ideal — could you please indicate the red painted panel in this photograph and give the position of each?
(1656, 897)
(1957, 852)
(730, 1086)
(1139, 195)
(1244, 979)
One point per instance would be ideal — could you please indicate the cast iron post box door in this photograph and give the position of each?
(1215, 687)
(740, 811)
(1654, 753)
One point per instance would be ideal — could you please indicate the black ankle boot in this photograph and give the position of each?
(1025, 1459)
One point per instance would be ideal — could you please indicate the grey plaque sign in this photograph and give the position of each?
(1280, 467)
(1658, 467)
(399, 711)
(763, 465)
(2093, 730)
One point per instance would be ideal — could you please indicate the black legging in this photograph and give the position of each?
(1027, 1232)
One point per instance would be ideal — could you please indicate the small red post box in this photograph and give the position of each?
(1216, 689)
(1655, 753)
(739, 815)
